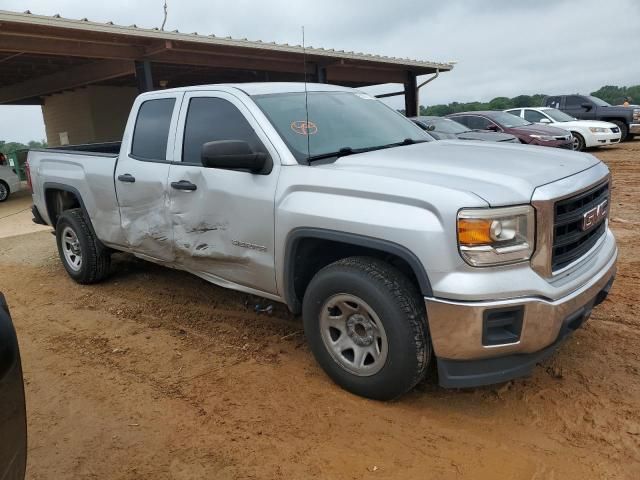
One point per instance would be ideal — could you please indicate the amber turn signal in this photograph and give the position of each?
(474, 231)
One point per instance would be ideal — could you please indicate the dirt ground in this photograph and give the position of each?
(156, 374)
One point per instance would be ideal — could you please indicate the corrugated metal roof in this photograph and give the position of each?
(154, 33)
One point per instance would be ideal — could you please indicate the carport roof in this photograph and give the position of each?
(41, 55)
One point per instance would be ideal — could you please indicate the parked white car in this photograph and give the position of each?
(586, 133)
(9, 182)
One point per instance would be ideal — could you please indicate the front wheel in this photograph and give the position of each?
(366, 326)
(5, 191)
(84, 259)
(578, 142)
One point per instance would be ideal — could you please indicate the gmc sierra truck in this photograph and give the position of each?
(586, 107)
(394, 248)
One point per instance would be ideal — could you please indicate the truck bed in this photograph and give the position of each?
(87, 172)
(110, 148)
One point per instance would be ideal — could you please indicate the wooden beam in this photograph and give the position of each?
(74, 77)
(371, 76)
(67, 48)
(181, 57)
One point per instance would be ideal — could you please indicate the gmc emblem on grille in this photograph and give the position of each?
(593, 217)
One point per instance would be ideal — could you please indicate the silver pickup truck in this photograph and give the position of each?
(394, 248)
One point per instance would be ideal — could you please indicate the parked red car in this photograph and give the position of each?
(525, 131)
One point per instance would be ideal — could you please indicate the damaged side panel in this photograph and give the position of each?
(224, 229)
(143, 209)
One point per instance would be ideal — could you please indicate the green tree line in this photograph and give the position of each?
(10, 147)
(609, 93)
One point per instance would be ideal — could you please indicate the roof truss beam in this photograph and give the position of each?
(73, 77)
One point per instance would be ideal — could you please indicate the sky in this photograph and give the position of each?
(502, 47)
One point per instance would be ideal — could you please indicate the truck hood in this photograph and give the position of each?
(499, 173)
(625, 112)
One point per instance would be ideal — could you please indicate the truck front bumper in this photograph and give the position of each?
(634, 128)
(481, 343)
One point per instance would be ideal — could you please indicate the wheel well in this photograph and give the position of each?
(57, 201)
(309, 255)
(612, 119)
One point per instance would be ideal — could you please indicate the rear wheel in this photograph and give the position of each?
(84, 259)
(578, 142)
(366, 326)
(624, 130)
(5, 191)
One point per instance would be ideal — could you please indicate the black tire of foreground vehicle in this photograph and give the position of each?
(386, 296)
(95, 260)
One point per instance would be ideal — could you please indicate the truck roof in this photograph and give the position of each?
(260, 88)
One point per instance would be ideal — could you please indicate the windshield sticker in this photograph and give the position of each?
(302, 127)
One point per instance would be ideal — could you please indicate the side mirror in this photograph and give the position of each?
(586, 106)
(544, 120)
(492, 128)
(232, 155)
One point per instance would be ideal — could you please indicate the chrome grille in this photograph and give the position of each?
(570, 241)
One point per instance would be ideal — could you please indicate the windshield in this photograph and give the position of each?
(599, 102)
(558, 116)
(337, 121)
(507, 120)
(445, 125)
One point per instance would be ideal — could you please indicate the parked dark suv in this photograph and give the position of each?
(586, 107)
(524, 130)
(13, 424)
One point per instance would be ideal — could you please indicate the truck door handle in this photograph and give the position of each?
(127, 178)
(184, 185)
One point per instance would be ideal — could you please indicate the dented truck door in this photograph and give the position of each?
(223, 219)
(141, 177)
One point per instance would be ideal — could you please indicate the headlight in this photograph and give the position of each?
(636, 114)
(544, 138)
(496, 236)
(597, 130)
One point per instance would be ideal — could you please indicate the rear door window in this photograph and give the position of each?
(533, 116)
(463, 119)
(574, 101)
(478, 123)
(151, 132)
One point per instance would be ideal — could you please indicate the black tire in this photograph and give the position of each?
(578, 142)
(624, 130)
(5, 191)
(95, 259)
(397, 304)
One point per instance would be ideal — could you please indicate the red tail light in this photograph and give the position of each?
(27, 171)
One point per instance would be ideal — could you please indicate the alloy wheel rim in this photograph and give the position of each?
(3, 191)
(576, 143)
(71, 249)
(353, 335)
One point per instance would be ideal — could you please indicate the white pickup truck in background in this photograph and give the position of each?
(395, 248)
